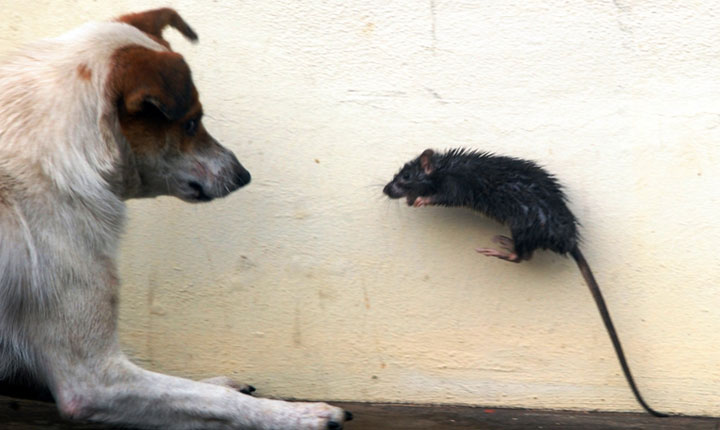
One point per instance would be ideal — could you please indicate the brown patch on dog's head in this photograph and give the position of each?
(160, 117)
(155, 96)
(141, 77)
(145, 82)
(84, 72)
(152, 22)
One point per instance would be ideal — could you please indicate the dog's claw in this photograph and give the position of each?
(333, 425)
(225, 381)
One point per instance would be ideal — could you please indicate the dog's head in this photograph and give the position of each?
(170, 151)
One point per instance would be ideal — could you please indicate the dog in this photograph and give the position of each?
(105, 113)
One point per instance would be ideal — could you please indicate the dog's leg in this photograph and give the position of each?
(91, 379)
(127, 394)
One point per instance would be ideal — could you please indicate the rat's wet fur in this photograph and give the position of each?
(512, 191)
(515, 192)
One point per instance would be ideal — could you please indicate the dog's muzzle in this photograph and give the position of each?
(242, 176)
(214, 174)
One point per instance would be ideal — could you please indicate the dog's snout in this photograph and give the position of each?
(212, 175)
(238, 175)
(242, 176)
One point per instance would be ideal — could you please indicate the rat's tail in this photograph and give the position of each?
(595, 290)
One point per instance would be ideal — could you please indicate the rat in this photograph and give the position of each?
(515, 192)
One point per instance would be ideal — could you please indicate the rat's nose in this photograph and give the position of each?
(386, 190)
(393, 191)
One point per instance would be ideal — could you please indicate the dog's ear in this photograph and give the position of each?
(154, 21)
(162, 79)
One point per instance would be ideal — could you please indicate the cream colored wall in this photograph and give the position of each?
(309, 284)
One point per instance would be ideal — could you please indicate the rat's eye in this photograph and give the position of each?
(190, 127)
(405, 176)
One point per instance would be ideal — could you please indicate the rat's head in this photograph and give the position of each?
(414, 180)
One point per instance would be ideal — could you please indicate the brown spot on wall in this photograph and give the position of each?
(84, 72)
(368, 29)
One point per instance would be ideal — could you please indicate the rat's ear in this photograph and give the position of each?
(426, 161)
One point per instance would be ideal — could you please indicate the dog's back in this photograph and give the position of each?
(57, 154)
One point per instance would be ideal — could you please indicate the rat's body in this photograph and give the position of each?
(515, 192)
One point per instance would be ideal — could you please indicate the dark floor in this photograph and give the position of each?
(24, 415)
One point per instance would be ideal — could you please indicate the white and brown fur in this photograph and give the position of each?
(105, 113)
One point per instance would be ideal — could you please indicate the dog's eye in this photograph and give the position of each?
(190, 127)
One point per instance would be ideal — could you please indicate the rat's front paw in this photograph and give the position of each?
(422, 201)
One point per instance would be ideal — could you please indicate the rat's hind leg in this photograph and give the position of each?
(489, 252)
(505, 243)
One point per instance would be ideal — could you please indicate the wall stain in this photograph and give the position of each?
(433, 25)
(297, 328)
(244, 264)
(149, 341)
(368, 29)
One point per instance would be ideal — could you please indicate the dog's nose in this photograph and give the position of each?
(242, 176)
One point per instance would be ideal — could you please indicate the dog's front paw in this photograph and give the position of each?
(321, 416)
(226, 381)
(280, 415)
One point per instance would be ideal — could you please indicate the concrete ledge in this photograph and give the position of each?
(17, 414)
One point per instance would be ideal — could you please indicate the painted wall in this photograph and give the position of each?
(309, 284)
